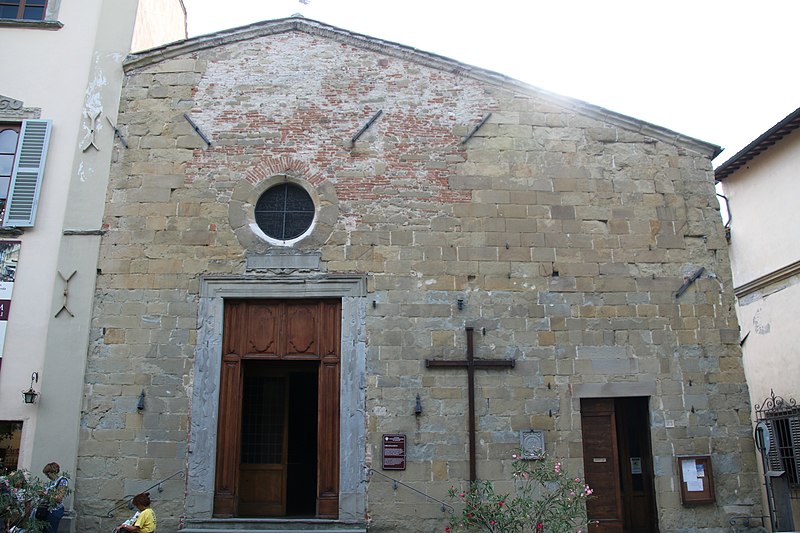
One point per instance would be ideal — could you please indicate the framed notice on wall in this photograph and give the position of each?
(697, 479)
(394, 452)
(9, 257)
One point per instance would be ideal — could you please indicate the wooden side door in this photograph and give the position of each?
(601, 465)
(281, 332)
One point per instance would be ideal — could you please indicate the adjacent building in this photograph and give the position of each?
(59, 95)
(760, 186)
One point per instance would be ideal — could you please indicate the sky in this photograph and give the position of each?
(722, 71)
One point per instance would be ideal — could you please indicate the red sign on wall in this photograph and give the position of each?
(394, 452)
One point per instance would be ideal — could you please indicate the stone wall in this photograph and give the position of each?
(565, 229)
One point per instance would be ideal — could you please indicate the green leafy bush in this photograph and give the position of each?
(545, 499)
(20, 494)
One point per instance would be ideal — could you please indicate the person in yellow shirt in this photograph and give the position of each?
(146, 521)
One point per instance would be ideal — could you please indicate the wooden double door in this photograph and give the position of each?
(617, 458)
(278, 426)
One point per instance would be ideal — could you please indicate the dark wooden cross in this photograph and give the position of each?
(471, 363)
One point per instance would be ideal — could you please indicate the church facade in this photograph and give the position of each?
(307, 224)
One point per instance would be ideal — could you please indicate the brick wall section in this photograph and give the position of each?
(566, 236)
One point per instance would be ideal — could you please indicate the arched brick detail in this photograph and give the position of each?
(283, 165)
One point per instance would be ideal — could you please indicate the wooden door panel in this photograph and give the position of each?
(263, 329)
(228, 433)
(262, 490)
(302, 329)
(330, 330)
(639, 513)
(601, 465)
(235, 327)
(328, 441)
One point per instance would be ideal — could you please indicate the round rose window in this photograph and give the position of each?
(284, 212)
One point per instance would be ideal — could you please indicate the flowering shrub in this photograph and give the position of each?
(19, 496)
(545, 499)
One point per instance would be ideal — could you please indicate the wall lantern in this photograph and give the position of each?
(29, 396)
(418, 406)
(140, 403)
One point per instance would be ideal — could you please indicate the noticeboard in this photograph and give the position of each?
(697, 479)
(394, 452)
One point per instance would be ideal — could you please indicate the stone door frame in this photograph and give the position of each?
(204, 409)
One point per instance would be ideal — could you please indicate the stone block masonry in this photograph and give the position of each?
(563, 229)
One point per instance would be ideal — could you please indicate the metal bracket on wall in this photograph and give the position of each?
(66, 293)
(117, 133)
(476, 128)
(689, 281)
(365, 127)
(92, 127)
(197, 129)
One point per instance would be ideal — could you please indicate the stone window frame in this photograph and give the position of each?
(241, 213)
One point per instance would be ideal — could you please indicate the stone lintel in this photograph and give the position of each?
(284, 262)
(614, 390)
(331, 285)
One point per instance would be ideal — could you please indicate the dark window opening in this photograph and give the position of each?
(9, 137)
(284, 212)
(23, 9)
(10, 437)
(784, 454)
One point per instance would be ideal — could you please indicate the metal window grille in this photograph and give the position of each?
(783, 421)
(262, 420)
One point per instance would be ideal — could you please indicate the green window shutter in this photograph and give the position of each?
(26, 178)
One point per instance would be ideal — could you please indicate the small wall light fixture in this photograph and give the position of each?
(29, 396)
(140, 403)
(418, 406)
(460, 303)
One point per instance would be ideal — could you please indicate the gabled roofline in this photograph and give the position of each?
(761, 144)
(312, 27)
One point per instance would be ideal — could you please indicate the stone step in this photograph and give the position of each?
(270, 525)
(190, 529)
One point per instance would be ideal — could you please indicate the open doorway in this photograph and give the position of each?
(278, 461)
(617, 459)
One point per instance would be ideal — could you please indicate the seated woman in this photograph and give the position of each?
(146, 521)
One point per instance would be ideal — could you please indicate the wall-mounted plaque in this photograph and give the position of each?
(532, 443)
(394, 452)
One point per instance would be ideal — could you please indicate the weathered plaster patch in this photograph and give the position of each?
(761, 327)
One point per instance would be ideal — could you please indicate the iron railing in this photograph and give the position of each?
(126, 500)
(444, 506)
